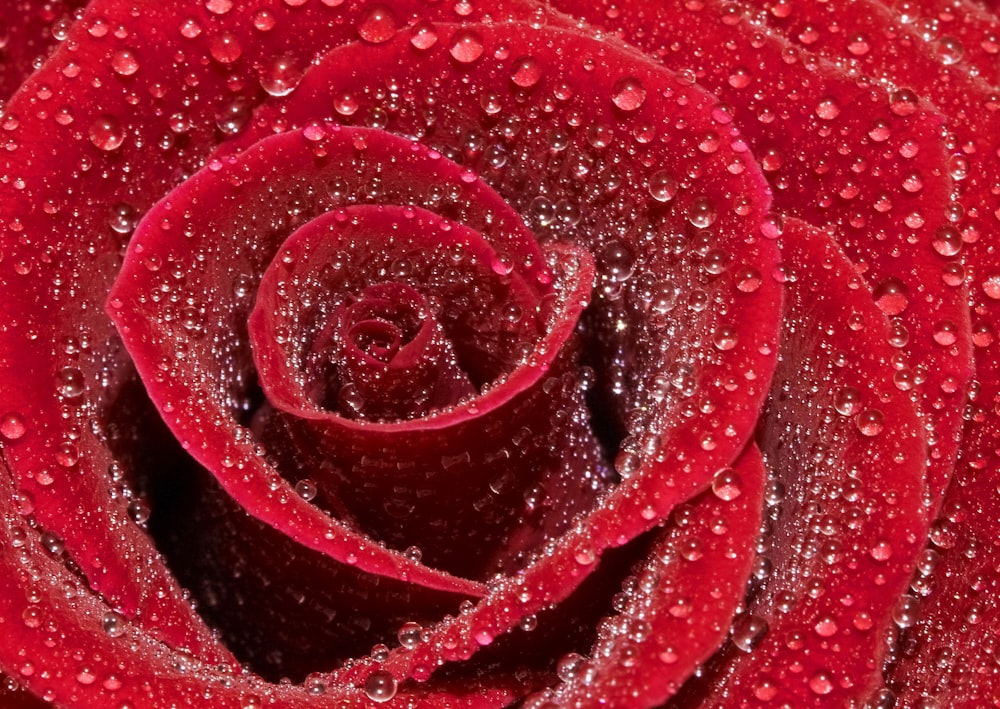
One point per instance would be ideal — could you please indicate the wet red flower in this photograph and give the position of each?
(460, 354)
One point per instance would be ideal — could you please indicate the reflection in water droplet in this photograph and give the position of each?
(12, 426)
(380, 686)
(106, 132)
(466, 46)
(409, 635)
(748, 631)
(628, 94)
(378, 24)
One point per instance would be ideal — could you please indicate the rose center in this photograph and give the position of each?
(384, 356)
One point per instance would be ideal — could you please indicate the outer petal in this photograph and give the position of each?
(848, 156)
(846, 448)
(677, 606)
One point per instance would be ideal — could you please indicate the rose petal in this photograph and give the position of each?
(697, 446)
(31, 28)
(847, 448)
(530, 431)
(55, 281)
(73, 649)
(681, 600)
(841, 154)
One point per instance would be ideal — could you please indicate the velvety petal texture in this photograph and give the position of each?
(512, 353)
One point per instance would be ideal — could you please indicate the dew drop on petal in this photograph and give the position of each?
(847, 401)
(423, 36)
(378, 25)
(727, 485)
(748, 631)
(113, 624)
(380, 686)
(466, 46)
(828, 109)
(409, 635)
(903, 102)
(124, 63)
(281, 76)
(628, 94)
(870, 422)
(702, 213)
(12, 426)
(526, 72)
(106, 133)
(891, 297)
(306, 489)
(662, 186)
(225, 49)
(947, 240)
(991, 285)
(821, 683)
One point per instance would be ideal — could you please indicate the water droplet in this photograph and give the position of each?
(380, 686)
(225, 49)
(858, 45)
(423, 36)
(662, 186)
(870, 422)
(106, 132)
(826, 627)
(748, 631)
(70, 382)
(727, 485)
(821, 683)
(113, 624)
(306, 489)
(345, 104)
(378, 25)
(828, 109)
(124, 63)
(526, 72)
(702, 213)
(409, 635)
(847, 402)
(991, 285)
(903, 102)
(947, 240)
(281, 76)
(12, 426)
(233, 117)
(949, 50)
(628, 94)
(906, 611)
(139, 511)
(219, 7)
(945, 333)
(466, 46)
(891, 296)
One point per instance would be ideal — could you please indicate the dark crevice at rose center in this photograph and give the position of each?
(409, 368)
(385, 356)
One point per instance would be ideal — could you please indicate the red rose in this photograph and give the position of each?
(476, 355)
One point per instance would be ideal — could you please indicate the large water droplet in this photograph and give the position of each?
(106, 132)
(628, 94)
(378, 25)
(380, 686)
(466, 46)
